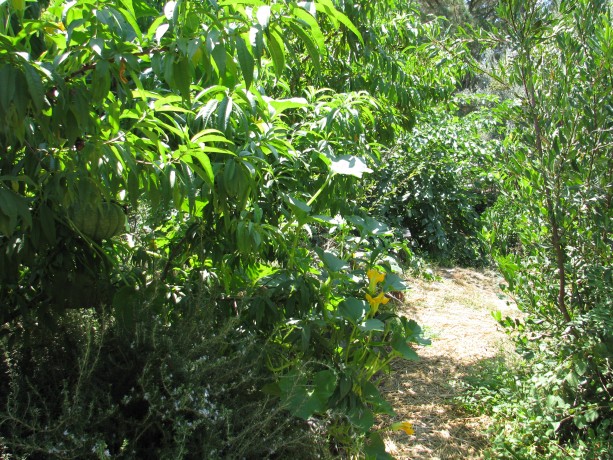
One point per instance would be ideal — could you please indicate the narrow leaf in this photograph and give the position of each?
(277, 52)
(311, 47)
(35, 86)
(182, 76)
(245, 60)
(284, 104)
(210, 135)
(206, 165)
(223, 113)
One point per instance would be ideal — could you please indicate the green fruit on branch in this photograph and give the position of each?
(100, 221)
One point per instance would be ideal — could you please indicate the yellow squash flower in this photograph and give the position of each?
(376, 301)
(374, 277)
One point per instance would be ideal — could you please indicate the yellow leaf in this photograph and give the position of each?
(122, 71)
(407, 427)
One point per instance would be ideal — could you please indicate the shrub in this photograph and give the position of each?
(186, 389)
(435, 184)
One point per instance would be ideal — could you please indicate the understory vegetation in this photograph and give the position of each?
(207, 209)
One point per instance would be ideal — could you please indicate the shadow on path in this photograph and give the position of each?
(424, 393)
(455, 313)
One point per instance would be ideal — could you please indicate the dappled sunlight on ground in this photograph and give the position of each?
(455, 312)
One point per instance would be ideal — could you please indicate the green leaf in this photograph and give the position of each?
(297, 205)
(331, 260)
(581, 366)
(134, 189)
(204, 160)
(16, 210)
(117, 22)
(223, 113)
(325, 384)
(393, 282)
(130, 18)
(327, 7)
(35, 86)
(101, 81)
(169, 67)
(243, 240)
(399, 344)
(372, 324)
(303, 399)
(219, 55)
(305, 337)
(229, 172)
(272, 389)
(374, 448)
(18, 5)
(573, 379)
(182, 76)
(210, 135)
(47, 222)
(129, 6)
(591, 415)
(123, 306)
(245, 60)
(353, 310)
(280, 105)
(277, 52)
(8, 74)
(369, 226)
(347, 23)
(412, 331)
(334, 263)
(316, 37)
(376, 401)
(312, 49)
(207, 111)
(361, 417)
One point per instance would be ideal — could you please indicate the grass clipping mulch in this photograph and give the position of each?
(455, 314)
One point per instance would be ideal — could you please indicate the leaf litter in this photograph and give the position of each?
(455, 313)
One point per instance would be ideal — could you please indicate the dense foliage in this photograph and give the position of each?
(438, 181)
(550, 233)
(206, 209)
(244, 243)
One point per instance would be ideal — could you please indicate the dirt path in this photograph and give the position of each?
(455, 314)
